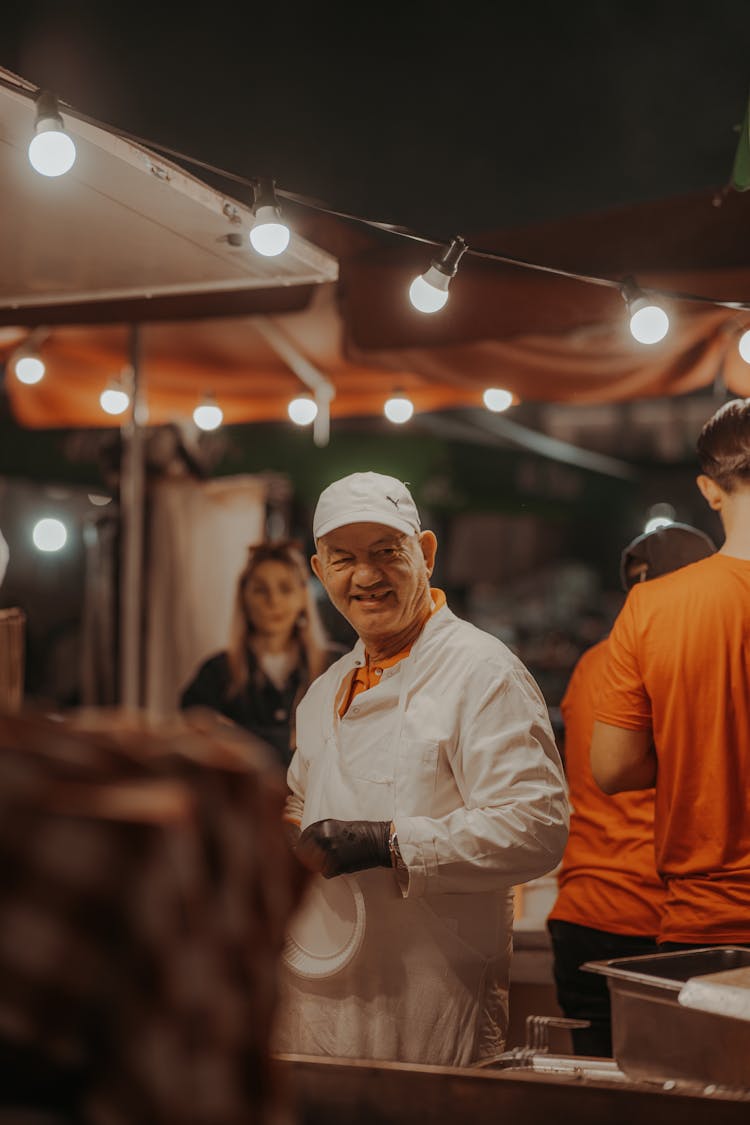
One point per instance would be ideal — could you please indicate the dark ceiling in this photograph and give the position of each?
(441, 116)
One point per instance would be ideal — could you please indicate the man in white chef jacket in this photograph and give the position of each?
(426, 765)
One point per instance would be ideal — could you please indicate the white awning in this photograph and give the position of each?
(124, 223)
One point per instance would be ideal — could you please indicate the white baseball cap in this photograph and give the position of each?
(366, 498)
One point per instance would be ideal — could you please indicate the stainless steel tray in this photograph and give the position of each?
(655, 1039)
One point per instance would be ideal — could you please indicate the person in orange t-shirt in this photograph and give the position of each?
(676, 710)
(610, 895)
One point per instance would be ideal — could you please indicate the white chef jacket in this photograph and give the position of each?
(454, 745)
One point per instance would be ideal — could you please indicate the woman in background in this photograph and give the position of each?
(277, 647)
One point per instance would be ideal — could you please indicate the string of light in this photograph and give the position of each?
(270, 204)
(52, 153)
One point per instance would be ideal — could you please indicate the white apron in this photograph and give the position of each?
(429, 982)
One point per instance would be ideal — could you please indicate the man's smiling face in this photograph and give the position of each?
(378, 579)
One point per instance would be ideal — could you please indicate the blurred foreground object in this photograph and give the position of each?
(145, 887)
(4, 557)
(12, 635)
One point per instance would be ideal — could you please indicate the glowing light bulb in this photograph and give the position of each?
(114, 400)
(302, 410)
(744, 346)
(29, 369)
(497, 400)
(49, 535)
(398, 409)
(208, 416)
(426, 292)
(52, 151)
(656, 522)
(269, 236)
(659, 515)
(429, 292)
(648, 323)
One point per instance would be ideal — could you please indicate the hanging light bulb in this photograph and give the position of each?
(429, 292)
(208, 415)
(49, 535)
(303, 410)
(655, 523)
(398, 409)
(659, 515)
(648, 322)
(51, 150)
(496, 399)
(744, 345)
(29, 368)
(114, 399)
(269, 236)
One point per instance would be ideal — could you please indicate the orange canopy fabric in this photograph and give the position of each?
(555, 339)
(541, 336)
(224, 357)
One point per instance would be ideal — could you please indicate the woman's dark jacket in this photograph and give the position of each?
(260, 708)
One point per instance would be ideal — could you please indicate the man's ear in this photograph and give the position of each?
(428, 543)
(317, 568)
(712, 493)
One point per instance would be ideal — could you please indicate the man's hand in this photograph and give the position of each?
(291, 831)
(338, 847)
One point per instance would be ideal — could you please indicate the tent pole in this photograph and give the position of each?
(306, 371)
(472, 426)
(132, 477)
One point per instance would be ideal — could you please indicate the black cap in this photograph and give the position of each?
(663, 550)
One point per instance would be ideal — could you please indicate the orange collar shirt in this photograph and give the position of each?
(608, 879)
(368, 674)
(679, 666)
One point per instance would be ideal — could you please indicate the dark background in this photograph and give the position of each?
(443, 116)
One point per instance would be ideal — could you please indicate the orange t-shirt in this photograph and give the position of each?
(368, 675)
(680, 666)
(608, 877)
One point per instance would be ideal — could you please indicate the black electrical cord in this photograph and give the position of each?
(388, 228)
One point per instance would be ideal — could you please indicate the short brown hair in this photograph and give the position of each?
(724, 445)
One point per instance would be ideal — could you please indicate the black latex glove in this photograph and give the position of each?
(292, 832)
(338, 847)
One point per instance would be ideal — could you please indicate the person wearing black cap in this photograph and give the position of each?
(610, 895)
(661, 551)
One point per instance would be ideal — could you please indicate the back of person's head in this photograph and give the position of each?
(661, 551)
(724, 445)
(308, 630)
(171, 838)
